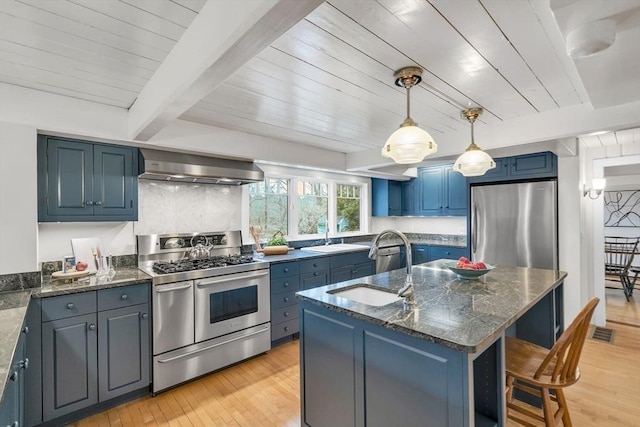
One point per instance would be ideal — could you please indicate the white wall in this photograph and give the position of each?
(569, 235)
(18, 200)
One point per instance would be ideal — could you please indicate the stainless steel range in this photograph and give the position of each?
(211, 305)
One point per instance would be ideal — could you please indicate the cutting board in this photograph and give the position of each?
(84, 250)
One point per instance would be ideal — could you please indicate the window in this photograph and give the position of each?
(313, 206)
(302, 204)
(347, 208)
(269, 205)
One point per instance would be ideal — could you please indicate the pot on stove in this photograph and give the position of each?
(199, 250)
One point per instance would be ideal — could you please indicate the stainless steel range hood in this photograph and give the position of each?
(180, 167)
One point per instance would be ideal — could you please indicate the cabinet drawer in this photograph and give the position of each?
(316, 264)
(284, 314)
(285, 269)
(283, 299)
(284, 284)
(285, 328)
(350, 258)
(445, 252)
(64, 306)
(123, 296)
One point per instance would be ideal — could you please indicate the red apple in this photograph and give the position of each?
(81, 266)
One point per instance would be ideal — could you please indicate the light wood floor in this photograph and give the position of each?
(265, 391)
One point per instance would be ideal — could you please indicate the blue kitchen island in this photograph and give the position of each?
(437, 363)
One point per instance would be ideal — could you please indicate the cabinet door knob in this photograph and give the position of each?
(70, 306)
(92, 327)
(144, 315)
(286, 314)
(98, 203)
(286, 328)
(285, 284)
(14, 376)
(286, 270)
(315, 273)
(286, 299)
(25, 330)
(24, 364)
(124, 297)
(88, 203)
(315, 264)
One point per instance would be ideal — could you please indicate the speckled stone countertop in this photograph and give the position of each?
(13, 308)
(465, 315)
(124, 276)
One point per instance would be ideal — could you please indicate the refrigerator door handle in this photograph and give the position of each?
(474, 232)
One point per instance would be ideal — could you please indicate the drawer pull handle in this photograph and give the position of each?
(124, 297)
(89, 203)
(286, 299)
(14, 376)
(315, 264)
(286, 314)
(144, 315)
(92, 327)
(70, 306)
(24, 364)
(315, 273)
(286, 328)
(286, 284)
(286, 270)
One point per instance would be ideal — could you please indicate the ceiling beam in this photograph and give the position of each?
(225, 35)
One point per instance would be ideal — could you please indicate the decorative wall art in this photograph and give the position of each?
(622, 208)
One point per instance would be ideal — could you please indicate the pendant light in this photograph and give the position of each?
(409, 144)
(474, 161)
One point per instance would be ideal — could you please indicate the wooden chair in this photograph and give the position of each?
(537, 370)
(618, 253)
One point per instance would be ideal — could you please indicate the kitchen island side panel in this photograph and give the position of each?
(389, 378)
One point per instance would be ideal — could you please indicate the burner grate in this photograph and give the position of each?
(200, 264)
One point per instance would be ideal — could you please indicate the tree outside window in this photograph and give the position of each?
(313, 205)
(347, 207)
(269, 205)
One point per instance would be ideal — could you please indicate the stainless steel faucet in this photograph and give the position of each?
(327, 240)
(407, 290)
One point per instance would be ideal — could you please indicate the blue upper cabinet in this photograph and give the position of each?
(409, 197)
(386, 197)
(442, 192)
(430, 191)
(526, 166)
(83, 181)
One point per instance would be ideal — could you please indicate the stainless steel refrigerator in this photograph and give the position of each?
(515, 224)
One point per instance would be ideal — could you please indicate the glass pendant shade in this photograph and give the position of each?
(408, 145)
(474, 161)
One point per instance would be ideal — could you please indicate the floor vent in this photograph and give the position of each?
(602, 334)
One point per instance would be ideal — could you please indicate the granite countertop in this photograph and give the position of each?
(124, 276)
(13, 309)
(465, 315)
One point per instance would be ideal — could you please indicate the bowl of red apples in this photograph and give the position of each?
(466, 269)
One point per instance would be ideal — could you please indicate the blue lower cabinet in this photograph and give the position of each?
(285, 282)
(12, 412)
(355, 373)
(419, 254)
(447, 252)
(76, 328)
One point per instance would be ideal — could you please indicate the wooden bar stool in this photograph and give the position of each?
(537, 370)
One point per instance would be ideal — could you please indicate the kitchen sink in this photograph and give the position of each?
(340, 247)
(367, 295)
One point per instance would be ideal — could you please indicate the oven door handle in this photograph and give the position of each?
(230, 277)
(162, 290)
(209, 347)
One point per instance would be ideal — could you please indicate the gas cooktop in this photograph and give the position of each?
(200, 264)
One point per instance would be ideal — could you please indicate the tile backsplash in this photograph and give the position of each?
(182, 208)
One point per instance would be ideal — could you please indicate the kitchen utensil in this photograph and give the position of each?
(173, 243)
(88, 249)
(465, 273)
(68, 277)
(199, 251)
(255, 232)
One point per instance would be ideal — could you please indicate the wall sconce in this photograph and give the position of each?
(597, 185)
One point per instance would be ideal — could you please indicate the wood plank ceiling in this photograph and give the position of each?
(328, 81)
